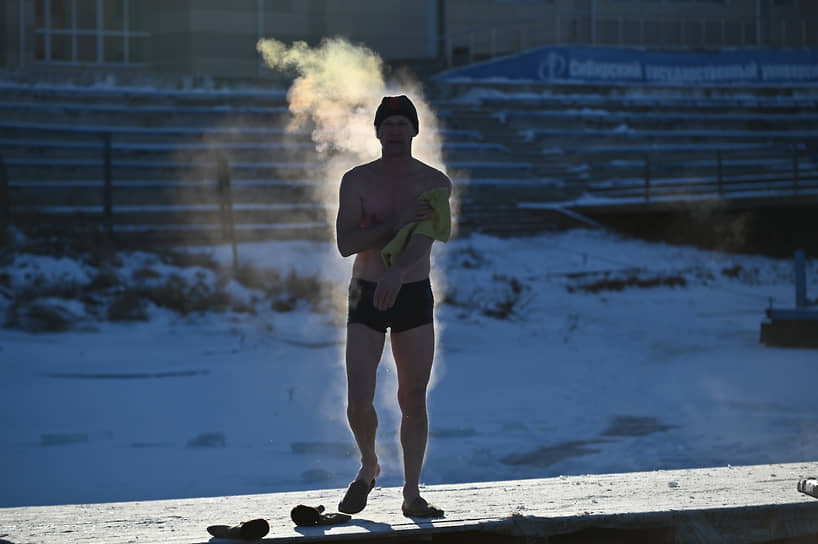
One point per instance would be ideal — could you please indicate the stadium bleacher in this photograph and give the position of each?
(501, 146)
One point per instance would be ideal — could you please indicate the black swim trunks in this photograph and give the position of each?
(413, 307)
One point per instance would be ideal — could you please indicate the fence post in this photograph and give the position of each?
(719, 178)
(647, 177)
(107, 191)
(228, 225)
(5, 205)
(799, 266)
(795, 169)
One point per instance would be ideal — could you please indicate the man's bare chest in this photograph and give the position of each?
(382, 199)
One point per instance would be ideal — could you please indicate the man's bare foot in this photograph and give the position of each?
(417, 507)
(355, 498)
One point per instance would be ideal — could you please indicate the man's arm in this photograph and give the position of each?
(389, 284)
(350, 235)
(416, 248)
(419, 244)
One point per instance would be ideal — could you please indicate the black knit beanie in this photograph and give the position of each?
(397, 105)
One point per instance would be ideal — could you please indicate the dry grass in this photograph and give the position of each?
(505, 300)
(176, 295)
(38, 317)
(127, 306)
(619, 284)
(511, 300)
(187, 259)
(113, 295)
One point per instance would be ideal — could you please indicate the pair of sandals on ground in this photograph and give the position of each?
(355, 500)
(254, 529)
(309, 516)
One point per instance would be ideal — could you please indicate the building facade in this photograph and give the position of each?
(484, 28)
(218, 37)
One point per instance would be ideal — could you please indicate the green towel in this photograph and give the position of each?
(438, 226)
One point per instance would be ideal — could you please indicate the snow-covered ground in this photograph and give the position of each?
(543, 369)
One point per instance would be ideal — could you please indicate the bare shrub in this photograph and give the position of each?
(243, 308)
(470, 258)
(619, 284)
(202, 298)
(113, 294)
(127, 306)
(104, 280)
(41, 287)
(510, 300)
(731, 271)
(504, 302)
(39, 316)
(262, 279)
(170, 294)
(303, 287)
(188, 259)
(146, 273)
(283, 305)
(174, 294)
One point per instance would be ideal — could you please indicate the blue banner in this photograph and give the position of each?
(615, 65)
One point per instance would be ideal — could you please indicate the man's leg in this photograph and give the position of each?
(363, 354)
(414, 352)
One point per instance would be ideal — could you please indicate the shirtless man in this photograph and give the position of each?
(376, 200)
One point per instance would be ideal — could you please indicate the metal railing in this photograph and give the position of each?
(176, 199)
(777, 171)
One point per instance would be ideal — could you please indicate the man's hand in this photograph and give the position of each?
(386, 292)
(418, 211)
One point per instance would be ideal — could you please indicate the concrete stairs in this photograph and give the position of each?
(504, 146)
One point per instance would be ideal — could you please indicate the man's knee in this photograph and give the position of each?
(412, 400)
(359, 403)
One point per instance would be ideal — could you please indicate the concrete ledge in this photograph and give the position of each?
(748, 504)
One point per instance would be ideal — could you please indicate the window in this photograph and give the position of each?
(113, 14)
(91, 31)
(60, 14)
(87, 14)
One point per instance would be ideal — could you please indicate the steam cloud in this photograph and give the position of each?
(338, 87)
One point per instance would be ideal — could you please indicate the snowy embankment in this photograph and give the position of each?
(565, 353)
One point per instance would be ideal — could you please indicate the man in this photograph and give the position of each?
(376, 200)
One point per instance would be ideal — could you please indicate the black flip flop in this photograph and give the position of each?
(355, 499)
(419, 508)
(247, 530)
(310, 516)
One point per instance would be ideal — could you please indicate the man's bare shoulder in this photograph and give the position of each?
(433, 177)
(358, 173)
